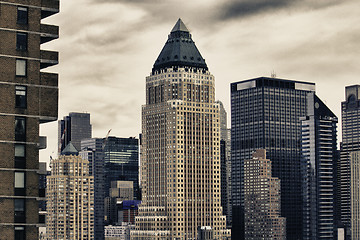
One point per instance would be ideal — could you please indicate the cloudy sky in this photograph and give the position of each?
(108, 47)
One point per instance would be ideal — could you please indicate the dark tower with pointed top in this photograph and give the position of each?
(180, 154)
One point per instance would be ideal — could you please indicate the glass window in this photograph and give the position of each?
(20, 67)
(20, 233)
(20, 156)
(20, 129)
(20, 99)
(22, 15)
(21, 41)
(19, 179)
(19, 210)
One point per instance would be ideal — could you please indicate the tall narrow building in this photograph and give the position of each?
(355, 194)
(180, 146)
(74, 128)
(70, 198)
(350, 115)
(29, 97)
(262, 196)
(318, 162)
(265, 113)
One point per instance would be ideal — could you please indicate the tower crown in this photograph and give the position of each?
(179, 50)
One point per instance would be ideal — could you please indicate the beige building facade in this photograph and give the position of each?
(180, 164)
(29, 97)
(70, 198)
(355, 194)
(262, 200)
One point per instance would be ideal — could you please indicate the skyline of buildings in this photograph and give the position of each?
(29, 98)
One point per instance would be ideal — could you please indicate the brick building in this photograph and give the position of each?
(29, 98)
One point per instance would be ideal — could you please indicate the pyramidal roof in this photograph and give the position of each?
(179, 50)
(70, 150)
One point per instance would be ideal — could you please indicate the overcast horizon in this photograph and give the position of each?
(108, 47)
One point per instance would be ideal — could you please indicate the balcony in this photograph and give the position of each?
(49, 7)
(42, 142)
(48, 33)
(48, 58)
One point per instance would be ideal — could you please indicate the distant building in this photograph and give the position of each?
(29, 97)
(92, 151)
(70, 197)
(119, 192)
(225, 164)
(319, 158)
(205, 233)
(355, 194)
(74, 128)
(121, 232)
(180, 158)
(350, 114)
(265, 114)
(262, 200)
(127, 211)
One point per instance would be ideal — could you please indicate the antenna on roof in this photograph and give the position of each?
(273, 74)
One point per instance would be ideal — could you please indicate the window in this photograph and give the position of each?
(19, 210)
(20, 129)
(20, 156)
(20, 233)
(21, 41)
(20, 67)
(22, 15)
(19, 183)
(20, 99)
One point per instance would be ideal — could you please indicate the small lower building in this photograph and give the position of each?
(262, 200)
(118, 232)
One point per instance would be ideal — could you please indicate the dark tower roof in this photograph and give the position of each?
(70, 150)
(179, 50)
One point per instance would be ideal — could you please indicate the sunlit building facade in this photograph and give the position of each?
(180, 162)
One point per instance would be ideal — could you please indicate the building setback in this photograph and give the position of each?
(350, 115)
(262, 200)
(70, 198)
(29, 98)
(319, 158)
(265, 113)
(74, 128)
(180, 163)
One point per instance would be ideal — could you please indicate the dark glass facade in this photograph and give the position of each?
(350, 114)
(265, 113)
(319, 157)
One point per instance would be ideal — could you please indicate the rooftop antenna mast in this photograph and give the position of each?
(273, 74)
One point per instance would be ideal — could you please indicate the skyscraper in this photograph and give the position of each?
(74, 128)
(350, 115)
(180, 146)
(225, 164)
(319, 157)
(262, 200)
(355, 194)
(29, 97)
(265, 113)
(70, 197)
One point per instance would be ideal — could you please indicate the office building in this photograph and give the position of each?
(127, 211)
(262, 195)
(29, 98)
(225, 164)
(74, 128)
(265, 114)
(119, 192)
(355, 194)
(319, 158)
(350, 115)
(121, 232)
(180, 163)
(92, 151)
(70, 197)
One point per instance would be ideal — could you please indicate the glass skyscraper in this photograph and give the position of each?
(265, 113)
(319, 156)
